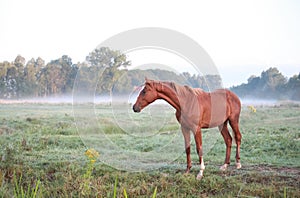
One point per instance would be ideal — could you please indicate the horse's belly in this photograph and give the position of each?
(204, 122)
(212, 124)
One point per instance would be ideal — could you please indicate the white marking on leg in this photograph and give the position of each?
(224, 167)
(202, 167)
(238, 165)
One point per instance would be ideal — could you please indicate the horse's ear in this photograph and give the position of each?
(146, 79)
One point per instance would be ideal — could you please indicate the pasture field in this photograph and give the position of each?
(43, 155)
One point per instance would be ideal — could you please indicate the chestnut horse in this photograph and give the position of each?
(196, 109)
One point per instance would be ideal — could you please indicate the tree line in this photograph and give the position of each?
(271, 84)
(106, 68)
(109, 71)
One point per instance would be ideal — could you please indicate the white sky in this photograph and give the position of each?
(242, 37)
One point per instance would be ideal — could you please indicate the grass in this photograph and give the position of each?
(21, 193)
(43, 154)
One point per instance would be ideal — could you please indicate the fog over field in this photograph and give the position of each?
(130, 99)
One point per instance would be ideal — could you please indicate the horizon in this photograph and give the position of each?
(244, 71)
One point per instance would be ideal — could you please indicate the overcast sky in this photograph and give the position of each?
(242, 37)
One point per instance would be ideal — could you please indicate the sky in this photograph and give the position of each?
(241, 37)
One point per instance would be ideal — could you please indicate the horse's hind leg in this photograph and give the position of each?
(234, 123)
(228, 141)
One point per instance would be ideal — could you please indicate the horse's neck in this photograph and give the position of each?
(170, 96)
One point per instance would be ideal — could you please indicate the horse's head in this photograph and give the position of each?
(148, 95)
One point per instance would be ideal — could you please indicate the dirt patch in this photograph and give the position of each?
(269, 168)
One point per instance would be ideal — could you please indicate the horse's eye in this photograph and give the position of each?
(143, 91)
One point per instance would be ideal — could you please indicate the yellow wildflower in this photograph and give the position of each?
(93, 161)
(252, 108)
(92, 154)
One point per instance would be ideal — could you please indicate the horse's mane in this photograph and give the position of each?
(183, 90)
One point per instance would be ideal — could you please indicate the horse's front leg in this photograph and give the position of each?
(198, 140)
(187, 142)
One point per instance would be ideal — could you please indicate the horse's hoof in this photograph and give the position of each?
(224, 167)
(238, 165)
(187, 171)
(199, 176)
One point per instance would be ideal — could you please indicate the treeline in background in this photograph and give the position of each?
(106, 68)
(110, 71)
(271, 84)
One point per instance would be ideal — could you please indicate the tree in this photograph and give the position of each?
(30, 78)
(293, 87)
(14, 79)
(110, 64)
(105, 57)
(3, 78)
(273, 80)
(57, 77)
(270, 84)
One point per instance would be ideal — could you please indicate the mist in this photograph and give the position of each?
(267, 102)
(38, 100)
(131, 99)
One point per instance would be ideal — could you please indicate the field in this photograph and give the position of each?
(43, 154)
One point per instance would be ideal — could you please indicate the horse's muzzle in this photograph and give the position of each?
(136, 108)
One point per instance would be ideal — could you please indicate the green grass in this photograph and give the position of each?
(40, 144)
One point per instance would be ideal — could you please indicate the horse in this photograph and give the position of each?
(196, 110)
